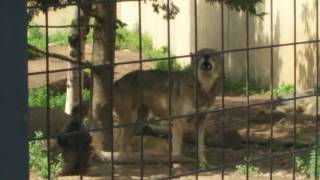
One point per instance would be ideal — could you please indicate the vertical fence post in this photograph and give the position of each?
(13, 91)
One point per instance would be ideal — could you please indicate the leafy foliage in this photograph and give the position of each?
(38, 98)
(126, 39)
(307, 163)
(284, 89)
(38, 159)
(242, 5)
(158, 5)
(59, 38)
(162, 65)
(240, 86)
(42, 5)
(36, 37)
(316, 89)
(156, 53)
(242, 169)
(278, 147)
(172, 10)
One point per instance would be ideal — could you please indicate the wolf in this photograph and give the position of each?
(305, 106)
(203, 79)
(75, 142)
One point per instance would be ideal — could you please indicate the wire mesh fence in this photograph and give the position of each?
(131, 120)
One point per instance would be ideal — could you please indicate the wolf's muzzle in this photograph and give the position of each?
(206, 66)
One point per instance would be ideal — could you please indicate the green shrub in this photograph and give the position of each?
(58, 100)
(156, 53)
(278, 147)
(242, 169)
(35, 37)
(59, 38)
(162, 65)
(283, 89)
(125, 39)
(38, 98)
(232, 86)
(129, 39)
(240, 86)
(316, 89)
(90, 37)
(85, 94)
(38, 159)
(90, 34)
(306, 163)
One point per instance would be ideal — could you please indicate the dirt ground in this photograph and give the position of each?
(235, 119)
(38, 66)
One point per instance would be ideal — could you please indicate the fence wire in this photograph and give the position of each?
(271, 156)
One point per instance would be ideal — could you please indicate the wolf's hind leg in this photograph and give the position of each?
(201, 141)
(126, 132)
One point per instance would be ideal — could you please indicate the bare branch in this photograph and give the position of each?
(58, 56)
(87, 10)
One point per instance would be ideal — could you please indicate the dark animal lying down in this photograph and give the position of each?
(76, 149)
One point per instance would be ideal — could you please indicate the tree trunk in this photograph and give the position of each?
(103, 53)
(77, 42)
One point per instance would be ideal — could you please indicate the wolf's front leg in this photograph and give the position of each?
(201, 142)
(177, 136)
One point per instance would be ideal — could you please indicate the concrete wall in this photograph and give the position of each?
(182, 36)
(56, 18)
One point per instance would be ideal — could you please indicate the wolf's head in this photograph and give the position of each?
(208, 64)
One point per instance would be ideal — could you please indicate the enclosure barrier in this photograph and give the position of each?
(13, 91)
(271, 156)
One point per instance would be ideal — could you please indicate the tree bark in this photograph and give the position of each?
(77, 42)
(103, 54)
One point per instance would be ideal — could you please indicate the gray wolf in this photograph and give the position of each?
(206, 71)
(306, 106)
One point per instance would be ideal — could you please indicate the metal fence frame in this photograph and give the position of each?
(13, 92)
(169, 57)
